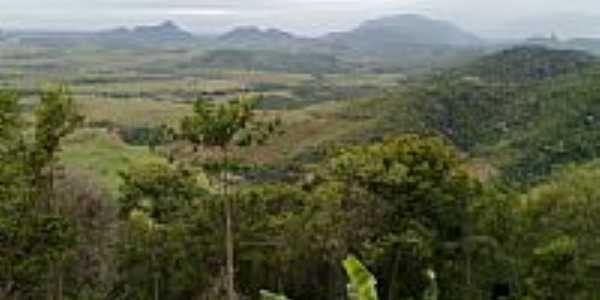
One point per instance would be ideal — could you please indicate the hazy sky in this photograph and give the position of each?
(499, 18)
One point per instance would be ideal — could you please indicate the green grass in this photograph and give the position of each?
(102, 154)
(133, 112)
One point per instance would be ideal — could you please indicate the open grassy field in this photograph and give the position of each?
(104, 155)
(143, 88)
(132, 112)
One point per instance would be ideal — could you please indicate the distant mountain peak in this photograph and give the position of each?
(400, 33)
(279, 33)
(254, 32)
(144, 35)
(168, 24)
(253, 36)
(165, 28)
(418, 29)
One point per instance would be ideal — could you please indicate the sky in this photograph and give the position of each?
(489, 18)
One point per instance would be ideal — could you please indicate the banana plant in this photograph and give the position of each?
(362, 283)
(432, 293)
(266, 295)
(361, 286)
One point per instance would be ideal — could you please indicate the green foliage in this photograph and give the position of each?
(554, 271)
(558, 134)
(415, 199)
(558, 220)
(160, 190)
(10, 117)
(279, 226)
(102, 154)
(34, 235)
(388, 200)
(527, 63)
(214, 125)
(168, 235)
(56, 117)
(413, 175)
(529, 125)
(473, 113)
(10, 144)
(226, 125)
(223, 126)
(362, 283)
(146, 136)
(270, 60)
(405, 204)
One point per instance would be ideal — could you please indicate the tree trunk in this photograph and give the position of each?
(394, 277)
(50, 280)
(229, 245)
(230, 269)
(156, 286)
(48, 209)
(468, 274)
(61, 279)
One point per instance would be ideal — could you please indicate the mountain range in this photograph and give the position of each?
(395, 43)
(374, 35)
(402, 30)
(166, 31)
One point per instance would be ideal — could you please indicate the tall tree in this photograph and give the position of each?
(223, 126)
(418, 200)
(33, 236)
(55, 118)
(168, 216)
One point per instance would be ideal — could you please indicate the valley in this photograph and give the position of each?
(155, 163)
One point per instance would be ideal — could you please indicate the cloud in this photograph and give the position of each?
(201, 12)
(175, 11)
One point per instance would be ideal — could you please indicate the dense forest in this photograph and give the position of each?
(466, 184)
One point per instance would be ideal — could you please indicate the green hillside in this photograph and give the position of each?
(268, 60)
(530, 116)
(530, 63)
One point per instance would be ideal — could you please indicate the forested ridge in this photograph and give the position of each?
(539, 107)
(396, 208)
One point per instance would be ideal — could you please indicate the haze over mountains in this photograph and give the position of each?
(398, 42)
(489, 19)
(379, 36)
(408, 29)
(386, 31)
